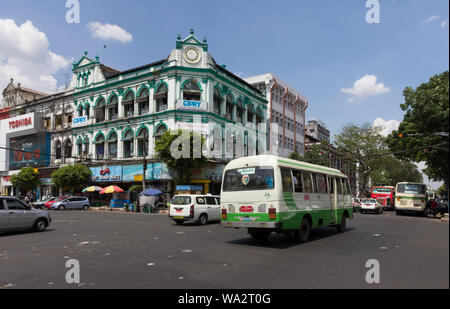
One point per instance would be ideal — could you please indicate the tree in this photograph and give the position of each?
(26, 179)
(314, 155)
(182, 152)
(365, 144)
(72, 176)
(392, 171)
(427, 112)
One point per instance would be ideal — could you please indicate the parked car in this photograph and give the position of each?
(356, 204)
(195, 208)
(41, 204)
(48, 204)
(73, 202)
(16, 215)
(370, 205)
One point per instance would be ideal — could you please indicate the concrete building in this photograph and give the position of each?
(285, 113)
(317, 130)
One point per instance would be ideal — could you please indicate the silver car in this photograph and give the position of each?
(73, 202)
(16, 215)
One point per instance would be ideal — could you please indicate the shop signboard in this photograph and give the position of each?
(107, 173)
(155, 171)
(191, 105)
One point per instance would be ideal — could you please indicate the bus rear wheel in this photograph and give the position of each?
(302, 234)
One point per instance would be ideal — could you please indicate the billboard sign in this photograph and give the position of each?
(29, 151)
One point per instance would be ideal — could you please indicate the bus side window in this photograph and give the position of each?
(349, 189)
(286, 178)
(330, 181)
(307, 182)
(321, 184)
(314, 183)
(339, 186)
(344, 187)
(298, 183)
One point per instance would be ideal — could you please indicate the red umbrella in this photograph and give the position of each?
(111, 189)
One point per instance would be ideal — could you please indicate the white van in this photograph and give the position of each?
(195, 208)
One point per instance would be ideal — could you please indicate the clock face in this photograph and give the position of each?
(192, 54)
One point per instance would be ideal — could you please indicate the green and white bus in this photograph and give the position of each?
(410, 197)
(272, 194)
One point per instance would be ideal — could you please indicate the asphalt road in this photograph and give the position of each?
(125, 250)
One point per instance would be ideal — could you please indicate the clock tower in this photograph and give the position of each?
(191, 52)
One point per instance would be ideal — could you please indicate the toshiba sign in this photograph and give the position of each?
(19, 123)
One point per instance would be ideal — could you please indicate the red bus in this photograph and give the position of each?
(384, 195)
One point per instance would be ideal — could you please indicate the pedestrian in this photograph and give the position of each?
(434, 207)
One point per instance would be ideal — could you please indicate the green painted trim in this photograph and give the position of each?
(143, 126)
(159, 84)
(112, 83)
(161, 123)
(98, 99)
(125, 93)
(125, 131)
(109, 134)
(110, 96)
(191, 79)
(143, 86)
(98, 134)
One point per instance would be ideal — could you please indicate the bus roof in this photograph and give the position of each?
(264, 160)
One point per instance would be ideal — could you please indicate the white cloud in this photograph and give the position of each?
(430, 19)
(386, 126)
(25, 55)
(444, 23)
(365, 87)
(109, 32)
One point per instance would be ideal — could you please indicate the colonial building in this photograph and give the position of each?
(110, 119)
(285, 113)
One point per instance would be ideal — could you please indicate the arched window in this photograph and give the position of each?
(128, 144)
(100, 110)
(100, 147)
(229, 107)
(143, 102)
(249, 114)
(191, 91)
(80, 147)
(113, 108)
(142, 139)
(68, 149)
(80, 110)
(87, 110)
(160, 131)
(217, 101)
(259, 117)
(239, 112)
(58, 150)
(112, 145)
(128, 103)
(161, 98)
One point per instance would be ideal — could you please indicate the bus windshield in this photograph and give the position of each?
(411, 188)
(248, 179)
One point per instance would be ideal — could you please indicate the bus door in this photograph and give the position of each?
(333, 198)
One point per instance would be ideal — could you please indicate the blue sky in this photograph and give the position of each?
(318, 47)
